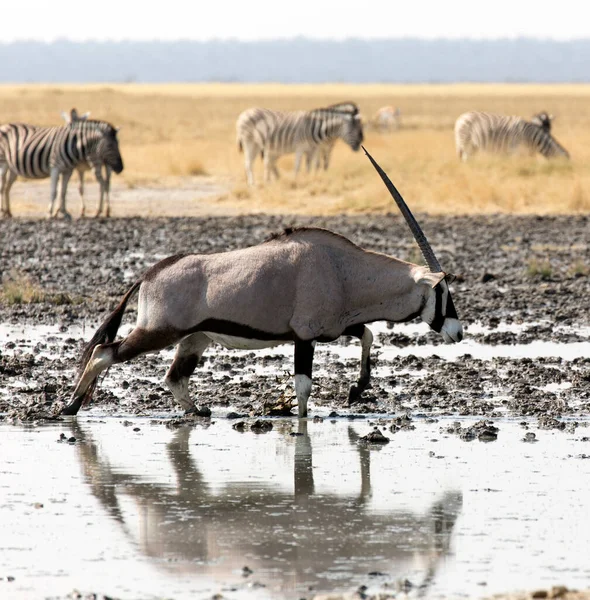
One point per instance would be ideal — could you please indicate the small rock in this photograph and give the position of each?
(246, 571)
(260, 426)
(375, 437)
(530, 437)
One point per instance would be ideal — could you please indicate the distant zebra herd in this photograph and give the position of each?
(83, 144)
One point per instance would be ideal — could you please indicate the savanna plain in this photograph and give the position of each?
(503, 414)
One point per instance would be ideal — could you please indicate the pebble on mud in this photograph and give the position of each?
(260, 426)
(375, 437)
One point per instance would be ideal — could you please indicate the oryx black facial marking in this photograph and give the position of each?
(304, 286)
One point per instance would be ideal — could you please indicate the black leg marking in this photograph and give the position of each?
(303, 358)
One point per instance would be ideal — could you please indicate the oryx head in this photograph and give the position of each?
(438, 310)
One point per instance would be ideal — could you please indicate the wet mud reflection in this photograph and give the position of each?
(294, 538)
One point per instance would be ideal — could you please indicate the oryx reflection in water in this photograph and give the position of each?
(292, 536)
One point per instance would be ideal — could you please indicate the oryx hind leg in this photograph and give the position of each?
(303, 367)
(366, 337)
(188, 354)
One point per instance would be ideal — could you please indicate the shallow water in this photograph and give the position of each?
(178, 513)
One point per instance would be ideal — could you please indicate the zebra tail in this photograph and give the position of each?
(105, 334)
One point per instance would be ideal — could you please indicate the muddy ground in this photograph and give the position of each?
(532, 271)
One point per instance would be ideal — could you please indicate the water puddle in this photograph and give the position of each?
(138, 510)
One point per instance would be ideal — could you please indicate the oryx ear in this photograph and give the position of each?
(431, 279)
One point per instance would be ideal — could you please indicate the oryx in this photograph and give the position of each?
(304, 286)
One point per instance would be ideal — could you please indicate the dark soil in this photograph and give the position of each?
(85, 267)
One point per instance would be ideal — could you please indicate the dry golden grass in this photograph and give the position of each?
(173, 131)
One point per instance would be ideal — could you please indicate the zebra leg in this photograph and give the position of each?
(65, 178)
(102, 187)
(250, 154)
(267, 165)
(298, 156)
(188, 354)
(81, 190)
(53, 193)
(303, 366)
(366, 337)
(107, 190)
(4, 187)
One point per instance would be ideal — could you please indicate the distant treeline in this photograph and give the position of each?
(298, 60)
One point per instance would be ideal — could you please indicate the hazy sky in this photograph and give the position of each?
(271, 19)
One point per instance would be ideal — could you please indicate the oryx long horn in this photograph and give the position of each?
(425, 248)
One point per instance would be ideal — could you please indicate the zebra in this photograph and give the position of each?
(485, 131)
(38, 152)
(104, 182)
(274, 133)
(320, 155)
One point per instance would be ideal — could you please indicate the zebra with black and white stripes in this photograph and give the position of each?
(103, 182)
(271, 134)
(476, 131)
(38, 152)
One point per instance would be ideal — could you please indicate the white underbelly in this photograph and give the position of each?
(239, 343)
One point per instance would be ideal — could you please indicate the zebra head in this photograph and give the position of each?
(108, 149)
(438, 309)
(543, 120)
(351, 130)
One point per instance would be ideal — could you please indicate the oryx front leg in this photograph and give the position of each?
(303, 367)
(188, 354)
(366, 337)
(102, 358)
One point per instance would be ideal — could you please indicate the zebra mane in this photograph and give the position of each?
(93, 124)
(349, 108)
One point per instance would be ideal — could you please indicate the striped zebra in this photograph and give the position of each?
(320, 155)
(497, 133)
(272, 133)
(104, 182)
(38, 152)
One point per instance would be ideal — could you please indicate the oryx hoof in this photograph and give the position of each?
(356, 391)
(198, 411)
(354, 394)
(73, 407)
